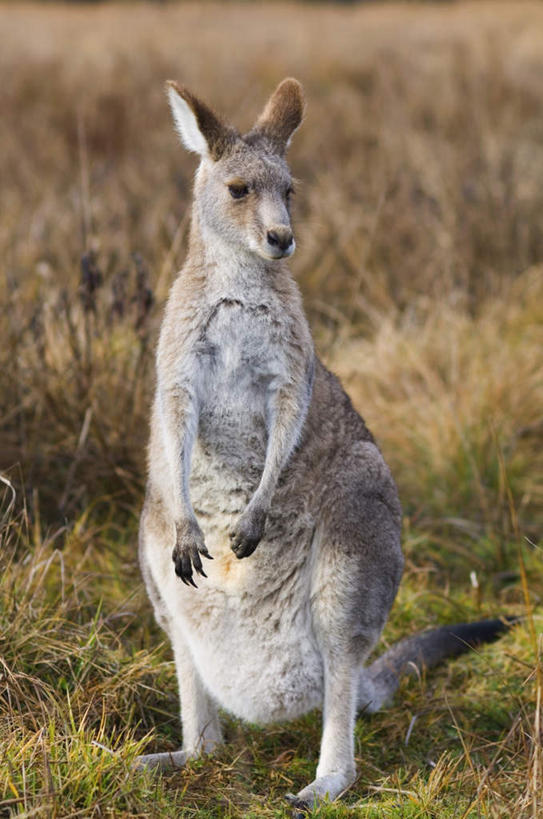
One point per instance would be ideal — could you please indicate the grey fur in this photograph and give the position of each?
(256, 452)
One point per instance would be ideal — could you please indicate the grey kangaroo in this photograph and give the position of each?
(264, 484)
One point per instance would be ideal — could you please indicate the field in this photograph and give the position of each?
(420, 256)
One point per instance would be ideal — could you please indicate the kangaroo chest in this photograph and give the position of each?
(241, 363)
(242, 347)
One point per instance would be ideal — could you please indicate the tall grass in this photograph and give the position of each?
(420, 259)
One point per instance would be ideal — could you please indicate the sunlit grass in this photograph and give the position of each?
(87, 684)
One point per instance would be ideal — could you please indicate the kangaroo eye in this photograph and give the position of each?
(238, 191)
(289, 193)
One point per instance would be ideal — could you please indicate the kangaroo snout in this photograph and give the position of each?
(281, 241)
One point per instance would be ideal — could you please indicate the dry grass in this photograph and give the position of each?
(420, 257)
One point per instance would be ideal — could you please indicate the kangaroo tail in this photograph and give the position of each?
(424, 650)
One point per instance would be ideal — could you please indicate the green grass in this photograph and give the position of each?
(88, 683)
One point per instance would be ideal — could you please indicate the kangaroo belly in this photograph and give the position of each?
(248, 625)
(251, 633)
(259, 667)
(255, 649)
(231, 445)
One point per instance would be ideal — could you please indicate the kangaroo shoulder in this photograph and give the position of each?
(184, 314)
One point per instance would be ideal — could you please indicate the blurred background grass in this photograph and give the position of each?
(419, 220)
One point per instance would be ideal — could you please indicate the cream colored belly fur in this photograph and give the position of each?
(248, 625)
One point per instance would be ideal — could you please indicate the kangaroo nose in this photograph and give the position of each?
(280, 237)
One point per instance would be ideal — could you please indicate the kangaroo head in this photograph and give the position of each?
(243, 185)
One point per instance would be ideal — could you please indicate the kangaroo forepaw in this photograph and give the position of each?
(189, 546)
(248, 532)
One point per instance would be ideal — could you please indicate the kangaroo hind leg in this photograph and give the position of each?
(356, 573)
(199, 715)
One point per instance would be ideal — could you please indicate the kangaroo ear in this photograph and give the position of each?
(281, 116)
(199, 127)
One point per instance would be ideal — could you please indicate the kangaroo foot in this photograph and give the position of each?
(161, 762)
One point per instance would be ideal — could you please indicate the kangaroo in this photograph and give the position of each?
(259, 465)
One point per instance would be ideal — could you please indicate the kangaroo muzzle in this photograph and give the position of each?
(281, 240)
